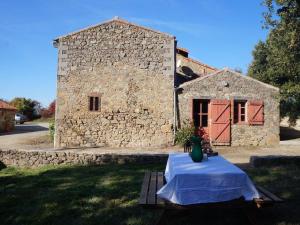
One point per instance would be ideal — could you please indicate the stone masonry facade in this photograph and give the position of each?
(7, 120)
(188, 69)
(22, 158)
(135, 75)
(239, 88)
(194, 67)
(131, 70)
(7, 116)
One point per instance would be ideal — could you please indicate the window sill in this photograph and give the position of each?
(241, 123)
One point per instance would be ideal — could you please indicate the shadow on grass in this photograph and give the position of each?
(109, 195)
(284, 181)
(74, 195)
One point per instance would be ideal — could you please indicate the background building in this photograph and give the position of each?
(7, 117)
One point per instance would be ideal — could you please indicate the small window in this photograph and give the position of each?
(94, 103)
(204, 120)
(200, 114)
(196, 112)
(239, 112)
(91, 103)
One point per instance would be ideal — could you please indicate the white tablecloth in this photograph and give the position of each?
(214, 180)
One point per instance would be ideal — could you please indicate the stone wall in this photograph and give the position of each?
(195, 66)
(239, 87)
(190, 69)
(21, 158)
(132, 70)
(7, 120)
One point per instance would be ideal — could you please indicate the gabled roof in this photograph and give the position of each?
(231, 71)
(183, 49)
(114, 19)
(4, 105)
(199, 63)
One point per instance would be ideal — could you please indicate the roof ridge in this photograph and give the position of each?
(250, 78)
(5, 105)
(114, 19)
(226, 69)
(182, 49)
(200, 63)
(200, 78)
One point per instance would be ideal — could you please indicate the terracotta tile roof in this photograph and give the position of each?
(200, 63)
(183, 49)
(4, 105)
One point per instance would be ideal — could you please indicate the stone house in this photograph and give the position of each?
(231, 109)
(124, 85)
(7, 117)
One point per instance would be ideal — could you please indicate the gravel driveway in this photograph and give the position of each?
(27, 136)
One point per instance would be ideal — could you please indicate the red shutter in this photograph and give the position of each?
(256, 112)
(220, 122)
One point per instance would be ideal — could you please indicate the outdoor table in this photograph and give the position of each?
(214, 180)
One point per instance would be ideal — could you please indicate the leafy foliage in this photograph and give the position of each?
(185, 133)
(277, 60)
(50, 111)
(27, 107)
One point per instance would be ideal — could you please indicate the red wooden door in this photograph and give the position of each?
(220, 122)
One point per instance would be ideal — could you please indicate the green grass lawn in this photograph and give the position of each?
(109, 195)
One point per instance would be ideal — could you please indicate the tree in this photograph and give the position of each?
(277, 60)
(50, 111)
(51, 107)
(27, 107)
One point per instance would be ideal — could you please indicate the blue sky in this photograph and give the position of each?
(221, 33)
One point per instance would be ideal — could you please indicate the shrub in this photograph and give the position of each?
(185, 133)
(52, 129)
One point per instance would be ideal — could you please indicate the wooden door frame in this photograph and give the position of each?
(229, 124)
(198, 129)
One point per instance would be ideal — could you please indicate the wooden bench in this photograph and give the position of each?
(153, 181)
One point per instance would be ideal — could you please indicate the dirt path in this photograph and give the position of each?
(27, 136)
